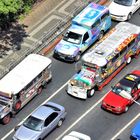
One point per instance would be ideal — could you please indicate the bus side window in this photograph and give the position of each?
(123, 50)
(105, 16)
(131, 44)
(115, 58)
(29, 85)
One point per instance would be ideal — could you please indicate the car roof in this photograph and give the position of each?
(42, 112)
(89, 15)
(132, 77)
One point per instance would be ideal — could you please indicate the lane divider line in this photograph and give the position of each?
(80, 118)
(119, 132)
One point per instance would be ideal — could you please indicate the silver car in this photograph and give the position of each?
(41, 122)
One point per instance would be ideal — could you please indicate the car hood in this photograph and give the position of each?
(24, 133)
(66, 48)
(119, 10)
(115, 100)
(136, 129)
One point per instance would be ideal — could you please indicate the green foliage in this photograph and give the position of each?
(10, 10)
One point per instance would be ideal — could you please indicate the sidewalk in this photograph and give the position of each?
(38, 12)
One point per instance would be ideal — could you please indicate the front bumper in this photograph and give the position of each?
(112, 109)
(77, 93)
(65, 57)
(118, 18)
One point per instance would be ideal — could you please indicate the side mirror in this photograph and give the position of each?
(16, 127)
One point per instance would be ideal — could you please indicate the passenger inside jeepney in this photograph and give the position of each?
(104, 71)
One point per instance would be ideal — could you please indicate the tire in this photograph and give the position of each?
(60, 123)
(17, 106)
(39, 90)
(128, 61)
(77, 57)
(101, 35)
(129, 16)
(126, 109)
(90, 93)
(6, 119)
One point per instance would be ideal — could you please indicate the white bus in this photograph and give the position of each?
(22, 83)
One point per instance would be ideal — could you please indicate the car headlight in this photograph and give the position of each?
(103, 103)
(119, 108)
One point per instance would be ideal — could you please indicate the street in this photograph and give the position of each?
(83, 116)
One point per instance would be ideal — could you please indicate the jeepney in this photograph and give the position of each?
(104, 60)
(22, 83)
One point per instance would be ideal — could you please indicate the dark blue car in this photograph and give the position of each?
(135, 133)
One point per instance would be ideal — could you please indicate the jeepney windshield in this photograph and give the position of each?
(72, 37)
(91, 66)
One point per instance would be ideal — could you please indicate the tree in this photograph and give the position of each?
(8, 11)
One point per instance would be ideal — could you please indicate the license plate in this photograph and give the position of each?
(113, 17)
(62, 57)
(109, 109)
(75, 92)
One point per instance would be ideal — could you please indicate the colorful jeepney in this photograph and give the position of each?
(105, 59)
(22, 83)
(88, 26)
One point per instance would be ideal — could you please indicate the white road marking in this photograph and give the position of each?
(4, 138)
(80, 118)
(127, 125)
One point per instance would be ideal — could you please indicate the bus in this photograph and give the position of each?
(105, 59)
(22, 83)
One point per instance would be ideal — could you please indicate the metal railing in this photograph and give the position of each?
(46, 39)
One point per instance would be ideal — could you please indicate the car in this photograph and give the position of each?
(135, 132)
(122, 10)
(76, 136)
(41, 122)
(114, 101)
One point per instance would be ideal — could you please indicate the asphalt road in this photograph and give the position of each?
(97, 123)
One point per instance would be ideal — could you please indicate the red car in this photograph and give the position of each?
(116, 103)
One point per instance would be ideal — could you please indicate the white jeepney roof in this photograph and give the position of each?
(23, 73)
(111, 44)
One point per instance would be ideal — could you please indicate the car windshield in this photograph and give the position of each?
(72, 37)
(118, 89)
(124, 2)
(33, 123)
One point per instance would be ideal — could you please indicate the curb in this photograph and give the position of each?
(46, 50)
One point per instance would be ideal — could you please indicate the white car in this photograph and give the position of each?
(76, 136)
(122, 10)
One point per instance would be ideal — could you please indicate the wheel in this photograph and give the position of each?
(128, 60)
(60, 123)
(17, 106)
(129, 16)
(39, 91)
(6, 119)
(126, 109)
(101, 35)
(77, 57)
(90, 93)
